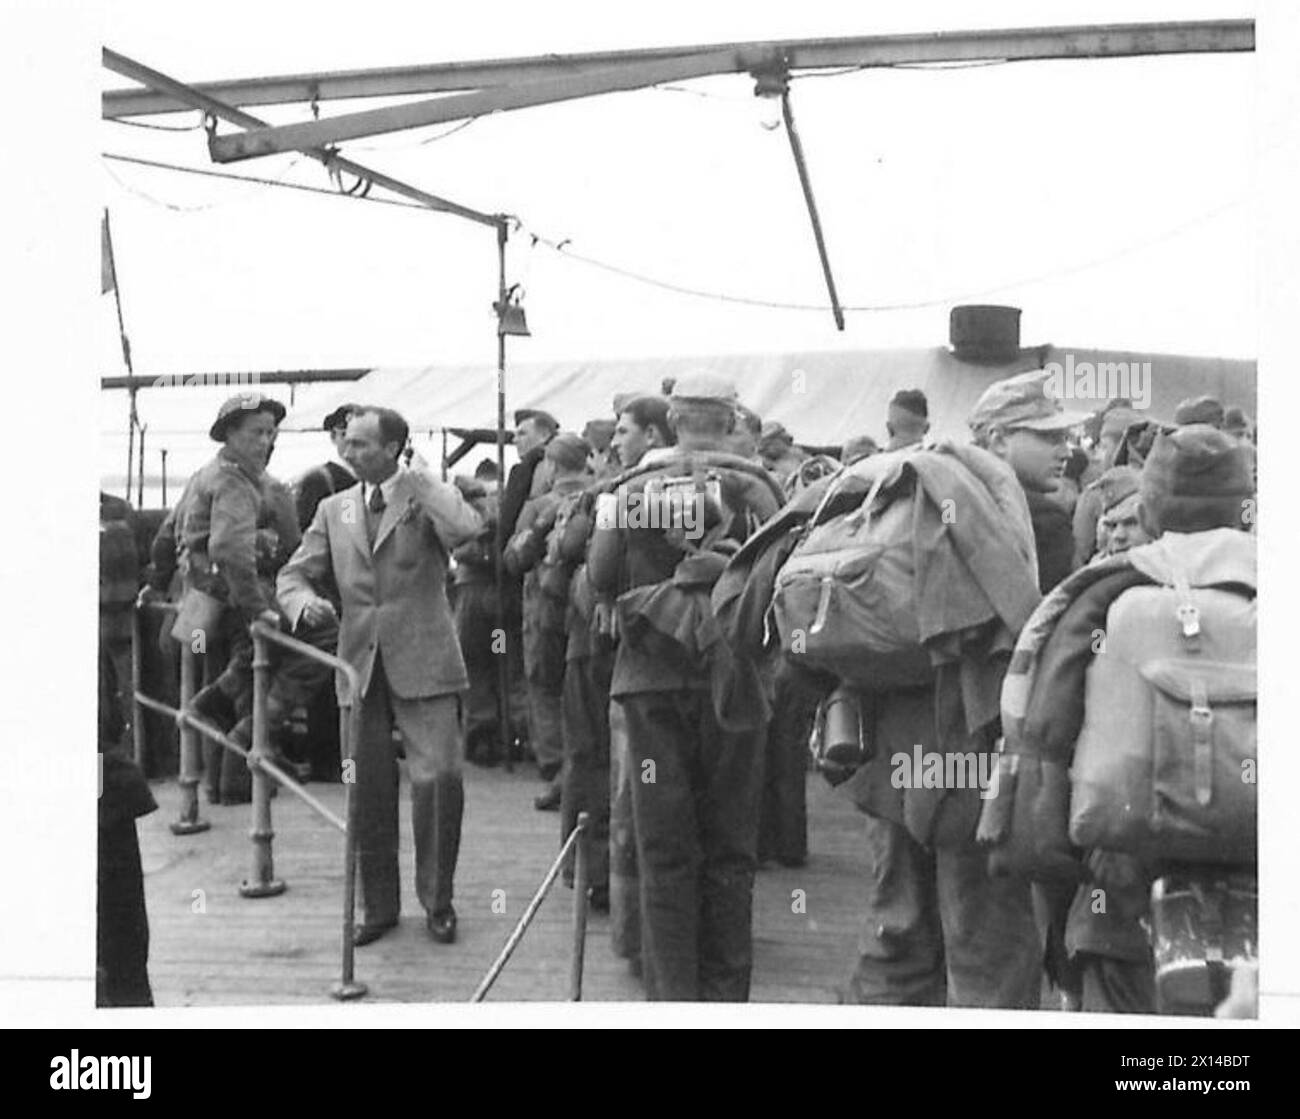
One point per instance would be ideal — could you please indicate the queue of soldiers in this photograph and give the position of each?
(634, 659)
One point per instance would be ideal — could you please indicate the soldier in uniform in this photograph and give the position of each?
(330, 477)
(940, 929)
(227, 563)
(694, 714)
(641, 431)
(544, 607)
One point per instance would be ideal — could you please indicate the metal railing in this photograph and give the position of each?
(578, 840)
(262, 882)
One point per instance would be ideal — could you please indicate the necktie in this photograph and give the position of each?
(374, 513)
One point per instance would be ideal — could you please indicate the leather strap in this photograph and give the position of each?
(1202, 726)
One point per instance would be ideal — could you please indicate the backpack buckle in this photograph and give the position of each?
(1190, 619)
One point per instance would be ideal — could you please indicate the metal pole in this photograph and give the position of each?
(263, 883)
(191, 760)
(504, 675)
(137, 673)
(579, 907)
(139, 482)
(347, 988)
(130, 442)
(126, 349)
(512, 942)
(805, 182)
(163, 455)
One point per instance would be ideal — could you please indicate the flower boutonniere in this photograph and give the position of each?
(411, 511)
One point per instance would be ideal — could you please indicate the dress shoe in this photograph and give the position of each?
(368, 934)
(549, 801)
(442, 926)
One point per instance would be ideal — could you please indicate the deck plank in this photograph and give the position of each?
(209, 946)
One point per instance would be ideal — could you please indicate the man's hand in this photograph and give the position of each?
(319, 611)
(148, 596)
(416, 461)
(270, 617)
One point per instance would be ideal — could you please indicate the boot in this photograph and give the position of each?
(236, 779)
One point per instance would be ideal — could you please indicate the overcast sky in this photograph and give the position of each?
(1112, 200)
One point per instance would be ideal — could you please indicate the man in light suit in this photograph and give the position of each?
(386, 541)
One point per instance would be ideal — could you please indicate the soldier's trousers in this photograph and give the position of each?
(295, 680)
(624, 876)
(294, 677)
(544, 669)
(585, 788)
(477, 625)
(695, 792)
(939, 930)
(1112, 986)
(783, 818)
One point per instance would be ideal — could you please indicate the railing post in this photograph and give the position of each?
(188, 822)
(580, 877)
(263, 883)
(347, 987)
(137, 674)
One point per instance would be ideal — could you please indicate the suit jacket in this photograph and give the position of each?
(394, 598)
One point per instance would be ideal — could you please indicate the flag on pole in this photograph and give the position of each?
(107, 271)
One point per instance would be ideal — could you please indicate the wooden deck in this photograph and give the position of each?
(286, 949)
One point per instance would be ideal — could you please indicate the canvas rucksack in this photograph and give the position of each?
(1164, 765)
(694, 500)
(844, 602)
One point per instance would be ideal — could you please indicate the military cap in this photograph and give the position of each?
(858, 447)
(1115, 421)
(340, 416)
(705, 387)
(1235, 421)
(568, 451)
(1117, 484)
(599, 433)
(1197, 460)
(240, 405)
(1023, 402)
(1199, 410)
(544, 419)
(774, 432)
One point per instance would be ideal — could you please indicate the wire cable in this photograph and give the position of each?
(362, 197)
(907, 305)
(155, 127)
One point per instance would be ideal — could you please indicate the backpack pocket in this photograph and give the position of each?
(1204, 744)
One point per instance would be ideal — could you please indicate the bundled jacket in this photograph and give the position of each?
(974, 558)
(976, 583)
